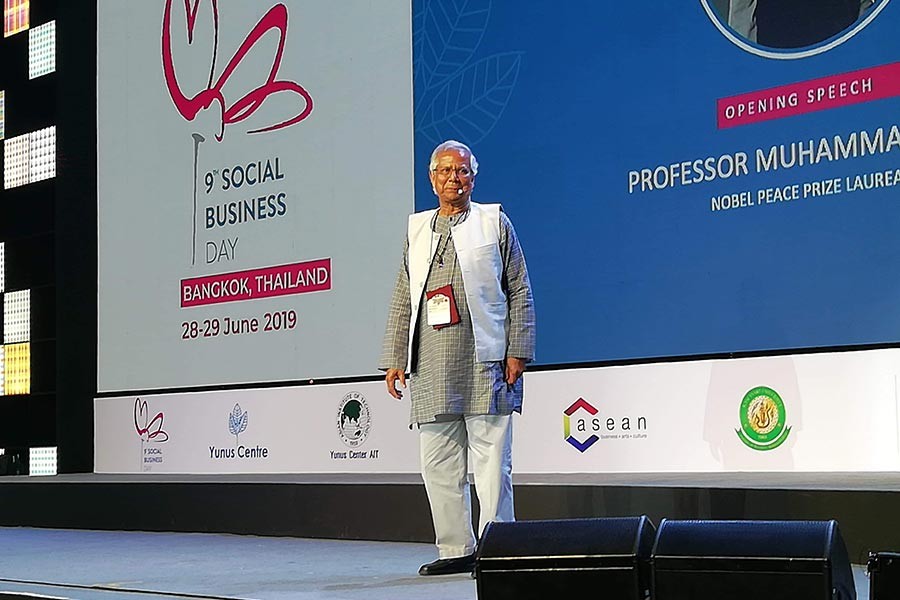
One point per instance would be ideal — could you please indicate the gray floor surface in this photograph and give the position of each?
(101, 565)
(227, 566)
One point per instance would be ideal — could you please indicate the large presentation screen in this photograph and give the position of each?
(255, 174)
(687, 177)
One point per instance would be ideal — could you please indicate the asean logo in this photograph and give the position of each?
(353, 419)
(763, 419)
(572, 434)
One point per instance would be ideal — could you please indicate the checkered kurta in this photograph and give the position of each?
(445, 378)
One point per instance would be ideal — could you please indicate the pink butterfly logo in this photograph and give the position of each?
(149, 429)
(275, 18)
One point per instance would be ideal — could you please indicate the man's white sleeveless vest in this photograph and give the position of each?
(477, 243)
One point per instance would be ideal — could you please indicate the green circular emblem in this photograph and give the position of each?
(763, 419)
(353, 419)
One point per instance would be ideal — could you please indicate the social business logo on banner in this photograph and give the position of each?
(150, 431)
(270, 203)
(237, 424)
(763, 419)
(275, 19)
(583, 426)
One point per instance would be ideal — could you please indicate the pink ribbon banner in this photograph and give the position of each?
(265, 282)
(866, 85)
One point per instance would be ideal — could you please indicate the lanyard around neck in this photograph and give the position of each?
(439, 252)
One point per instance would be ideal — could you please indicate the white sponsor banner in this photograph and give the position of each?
(344, 428)
(255, 174)
(805, 413)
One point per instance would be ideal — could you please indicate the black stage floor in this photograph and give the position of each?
(391, 507)
(871, 482)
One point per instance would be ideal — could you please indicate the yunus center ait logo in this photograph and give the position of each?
(763, 419)
(353, 419)
(353, 424)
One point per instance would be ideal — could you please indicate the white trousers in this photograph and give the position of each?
(445, 448)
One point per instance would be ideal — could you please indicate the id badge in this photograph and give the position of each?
(441, 308)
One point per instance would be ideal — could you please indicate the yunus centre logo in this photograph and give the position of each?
(237, 424)
(579, 430)
(763, 419)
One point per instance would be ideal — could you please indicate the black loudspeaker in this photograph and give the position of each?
(884, 576)
(544, 560)
(749, 560)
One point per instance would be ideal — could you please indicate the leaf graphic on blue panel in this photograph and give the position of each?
(418, 36)
(237, 420)
(469, 105)
(449, 32)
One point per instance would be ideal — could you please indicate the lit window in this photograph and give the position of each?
(42, 50)
(29, 158)
(2, 368)
(15, 161)
(42, 155)
(17, 376)
(42, 461)
(2, 268)
(15, 16)
(2, 114)
(17, 317)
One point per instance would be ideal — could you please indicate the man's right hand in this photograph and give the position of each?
(393, 375)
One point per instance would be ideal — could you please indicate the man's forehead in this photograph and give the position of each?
(453, 155)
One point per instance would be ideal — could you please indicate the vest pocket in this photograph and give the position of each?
(487, 265)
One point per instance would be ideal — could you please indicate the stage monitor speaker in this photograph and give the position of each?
(541, 560)
(883, 569)
(749, 560)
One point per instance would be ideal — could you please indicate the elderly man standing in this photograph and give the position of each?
(461, 322)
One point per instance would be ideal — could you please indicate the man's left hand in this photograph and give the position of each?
(514, 369)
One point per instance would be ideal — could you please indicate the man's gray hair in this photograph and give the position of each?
(453, 145)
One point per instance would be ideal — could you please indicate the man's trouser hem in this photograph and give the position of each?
(455, 552)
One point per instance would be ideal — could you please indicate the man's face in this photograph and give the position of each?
(452, 177)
